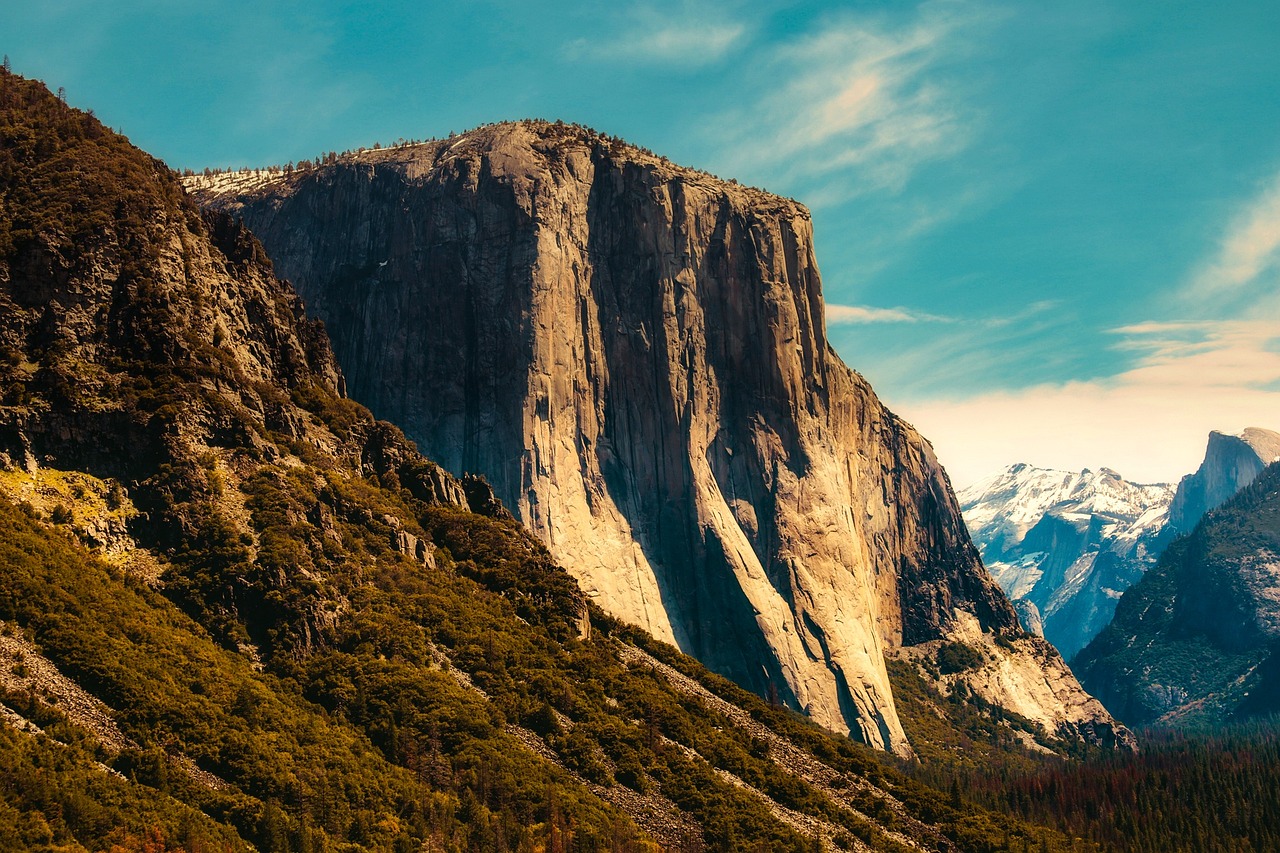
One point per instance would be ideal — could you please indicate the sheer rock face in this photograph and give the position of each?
(634, 355)
(1231, 462)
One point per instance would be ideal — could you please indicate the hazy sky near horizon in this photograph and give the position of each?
(1048, 233)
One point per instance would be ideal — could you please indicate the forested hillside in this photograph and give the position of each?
(1199, 791)
(1194, 643)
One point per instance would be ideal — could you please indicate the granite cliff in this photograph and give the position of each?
(1064, 546)
(634, 355)
(1231, 462)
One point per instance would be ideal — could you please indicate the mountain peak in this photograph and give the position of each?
(1231, 462)
(1066, 544)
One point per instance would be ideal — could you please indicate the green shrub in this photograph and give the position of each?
(956, 657)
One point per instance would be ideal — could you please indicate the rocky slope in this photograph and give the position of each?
(634, 354)
(1230, 463)
(1064, 546)
(1195, 640)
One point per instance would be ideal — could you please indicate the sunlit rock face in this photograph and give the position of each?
(634, 354)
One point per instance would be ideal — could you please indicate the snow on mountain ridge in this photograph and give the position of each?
(1065, 544)
(1006, 505)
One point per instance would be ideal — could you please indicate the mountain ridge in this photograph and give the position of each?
(1064, 545)
(230, 183)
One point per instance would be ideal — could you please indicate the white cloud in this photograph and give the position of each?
(858, 314)
(1149, 423)
(858, 105)
(690, 37)
(688, 44)
(1250, 247)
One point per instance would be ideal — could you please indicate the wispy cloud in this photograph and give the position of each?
(1149, 422)
(859, 314)
(1234, 354)
(687, 37)
(1250, 247)
(955, 351)
(859, 103)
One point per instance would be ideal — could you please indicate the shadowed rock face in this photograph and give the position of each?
(634, 354)
(1230, 463)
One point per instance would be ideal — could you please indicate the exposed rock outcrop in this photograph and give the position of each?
(1230, 463)
(634, 355)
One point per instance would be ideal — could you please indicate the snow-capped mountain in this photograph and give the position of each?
(1064, 546)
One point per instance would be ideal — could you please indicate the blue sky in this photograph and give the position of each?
(1048, 232)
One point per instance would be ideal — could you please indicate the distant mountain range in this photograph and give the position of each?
(1065, 546)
